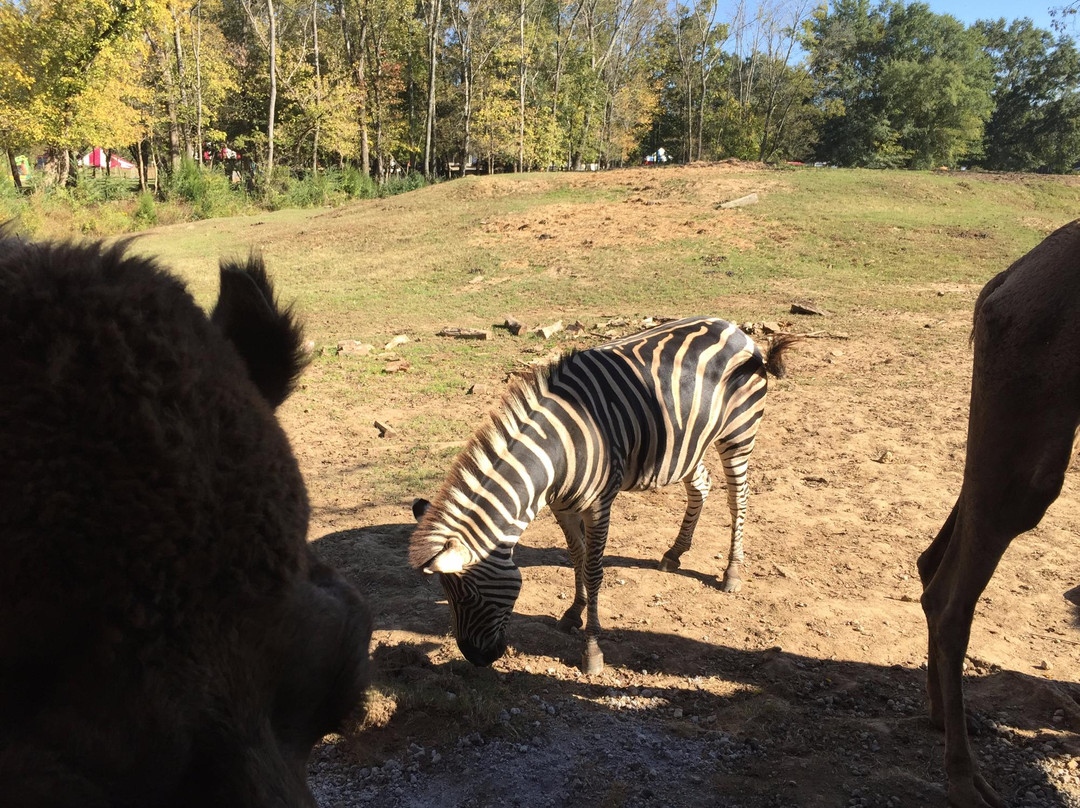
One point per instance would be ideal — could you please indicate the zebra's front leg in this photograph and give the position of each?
(596, 521)
(698, 486)
(573, 528)
(738, 491)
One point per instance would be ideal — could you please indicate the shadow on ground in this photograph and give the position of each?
(802, 730)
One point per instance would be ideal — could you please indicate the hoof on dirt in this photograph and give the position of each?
(569, 622)
(668, 564)
(974, 793)
(731, 583)
(592, 663)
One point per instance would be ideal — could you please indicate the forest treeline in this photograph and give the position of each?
(444, 86)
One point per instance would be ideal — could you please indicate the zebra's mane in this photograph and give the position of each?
(501, 425)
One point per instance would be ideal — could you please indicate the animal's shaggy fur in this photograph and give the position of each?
(167, 637)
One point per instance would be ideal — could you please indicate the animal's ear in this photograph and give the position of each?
(451, 558)
(267, 336)
(419, 508)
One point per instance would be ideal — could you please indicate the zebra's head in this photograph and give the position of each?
(481, 592)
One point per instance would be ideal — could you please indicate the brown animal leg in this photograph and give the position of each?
(1018, 449)
(949, 602)
(929, 562)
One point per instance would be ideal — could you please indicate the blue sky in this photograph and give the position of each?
(969, 11)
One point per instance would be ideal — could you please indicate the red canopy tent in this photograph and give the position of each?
(96, 159)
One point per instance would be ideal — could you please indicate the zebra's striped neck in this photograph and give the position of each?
(500, 481)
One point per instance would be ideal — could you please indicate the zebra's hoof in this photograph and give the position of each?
(569, 622)
(592, 663)
(668, 564)
(731, 583)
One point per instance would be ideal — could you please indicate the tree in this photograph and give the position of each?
(1035, 125)
(898, 85)
(54, 67)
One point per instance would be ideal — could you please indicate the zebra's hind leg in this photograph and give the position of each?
(597, 519)
(737, 493)
(573, 529)
(698, 486)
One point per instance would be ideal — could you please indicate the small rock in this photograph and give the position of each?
(352, 347)
(749, 199)
(548, 331)
(807, 307)
(396, 366)
(1043, 665)
(400, 339)
(385, 430)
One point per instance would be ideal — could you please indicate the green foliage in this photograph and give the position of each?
(208, 192)
(94, 187)
(145, 214)
(1036, 120)
(312, 191)
(355, 184)
(401, 185)
(900, 85)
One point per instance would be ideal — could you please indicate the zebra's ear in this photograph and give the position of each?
(419, 508)
(451, 558)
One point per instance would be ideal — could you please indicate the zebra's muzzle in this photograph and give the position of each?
(482, 656)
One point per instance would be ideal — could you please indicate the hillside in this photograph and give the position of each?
(805, 689)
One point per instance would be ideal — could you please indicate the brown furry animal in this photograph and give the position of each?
(1025, 411)
(167, 637)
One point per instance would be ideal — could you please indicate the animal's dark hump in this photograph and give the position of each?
(268, 338)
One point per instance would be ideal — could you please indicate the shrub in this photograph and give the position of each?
(208, 192)
(400, 185)
(145, 214)
(314, 190)
(355, 184)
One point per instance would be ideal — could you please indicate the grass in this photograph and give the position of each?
(630, 244)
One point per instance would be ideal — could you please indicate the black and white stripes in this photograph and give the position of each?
(633, 414)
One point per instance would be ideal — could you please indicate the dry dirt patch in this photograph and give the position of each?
(804, 690)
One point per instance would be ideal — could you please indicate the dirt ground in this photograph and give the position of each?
(804, 689)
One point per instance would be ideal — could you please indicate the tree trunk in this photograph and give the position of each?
(468, 117)
(273, 93)
(689, 122)
(701, 116)
(71, 178)
(521, 86)
(170, 104)
(355, 51)
(14, 168)
(138, 149)
(197, 52)
(376, 95)
(434, 20)
(184, 125)
(318, 85)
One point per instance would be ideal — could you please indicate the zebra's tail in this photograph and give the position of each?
(774, 358)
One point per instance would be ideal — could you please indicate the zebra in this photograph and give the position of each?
(636, 413)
